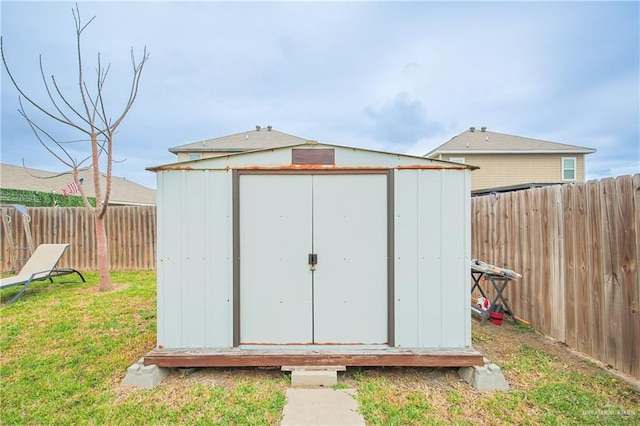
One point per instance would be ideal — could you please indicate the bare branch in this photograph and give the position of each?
(79, 29)
(28, 98)
(100, 99)
(46, 86)
(94, 106)
(137, 73)
(52, 176)
(64, 99)
(78, 19)
(35, 128)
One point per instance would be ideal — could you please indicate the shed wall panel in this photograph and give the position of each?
(432, 246)
(455, 249)
(194, 280)
(170, 220)
(219, 248)
(429, 226)
(194, 258)
(407, 241)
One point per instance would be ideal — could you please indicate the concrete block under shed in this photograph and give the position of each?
(484, 378)
(144, 376)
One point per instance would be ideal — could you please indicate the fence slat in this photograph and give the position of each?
(584, 297)
(596, 271)
(634, 293)
(572, 291)
(627, 271)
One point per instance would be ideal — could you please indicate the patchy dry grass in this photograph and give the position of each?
(66, 347)
(549, 385)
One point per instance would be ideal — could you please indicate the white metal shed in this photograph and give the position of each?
(313, 254)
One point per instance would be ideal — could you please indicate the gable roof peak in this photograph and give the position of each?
(258, 138)
(484, 141)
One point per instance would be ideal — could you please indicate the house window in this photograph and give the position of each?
(195, 156)
(568, 168)
(457, 159)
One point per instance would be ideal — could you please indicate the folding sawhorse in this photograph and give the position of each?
(499, 283)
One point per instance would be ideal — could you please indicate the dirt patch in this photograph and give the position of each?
(95, 290)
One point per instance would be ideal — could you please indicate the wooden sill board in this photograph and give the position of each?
(270, 358)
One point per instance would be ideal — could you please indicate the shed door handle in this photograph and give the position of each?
(313, 259)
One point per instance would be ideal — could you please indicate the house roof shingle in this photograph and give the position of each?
(123, 191)
(486, 142)
(251, 140)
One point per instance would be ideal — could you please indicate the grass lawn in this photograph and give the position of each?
(65, 348)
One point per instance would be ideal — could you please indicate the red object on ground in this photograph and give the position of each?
(496, 318)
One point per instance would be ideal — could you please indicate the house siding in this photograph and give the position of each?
(498, 170)
(184, 156)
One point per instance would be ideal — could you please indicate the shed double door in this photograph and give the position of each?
(342, 220)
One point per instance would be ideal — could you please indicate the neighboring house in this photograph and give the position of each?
(252, 140)
(123, 191)
(513, 161)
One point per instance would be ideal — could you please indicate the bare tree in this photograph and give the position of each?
(90, 118)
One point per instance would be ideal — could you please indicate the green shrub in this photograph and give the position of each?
(41, 199)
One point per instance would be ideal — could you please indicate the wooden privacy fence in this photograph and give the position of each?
(131, 232)
(578, 249)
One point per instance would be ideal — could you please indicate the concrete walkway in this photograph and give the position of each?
(327, 407)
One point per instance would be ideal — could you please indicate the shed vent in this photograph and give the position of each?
(258, 128)
(483, 128)
(269, 128)
(472, 129)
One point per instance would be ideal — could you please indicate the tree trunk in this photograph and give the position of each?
(103, 253)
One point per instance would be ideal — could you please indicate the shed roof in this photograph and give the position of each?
(265, 157)
(123, 191)
(478, 141)
(260, 138)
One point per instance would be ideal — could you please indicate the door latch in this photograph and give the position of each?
(313, 260)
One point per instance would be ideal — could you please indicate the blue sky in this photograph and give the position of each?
(395, 76)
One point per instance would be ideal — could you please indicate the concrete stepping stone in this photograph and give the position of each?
(327, 407)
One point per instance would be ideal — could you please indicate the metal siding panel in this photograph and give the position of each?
(455, 268)
(350, 238)
(218, 277)
(429, 255)
(275, 239)
(467, 256)
(170, 223)
(407, 238)
(161, 201)
(194, 259)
